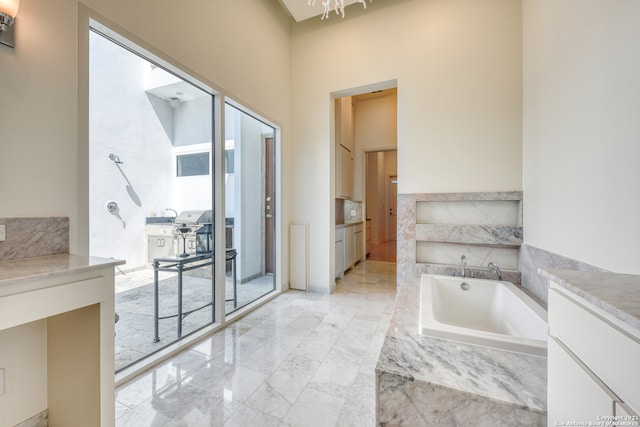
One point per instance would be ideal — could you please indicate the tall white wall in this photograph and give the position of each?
(581, 132)
(458, 68)
(376, 127)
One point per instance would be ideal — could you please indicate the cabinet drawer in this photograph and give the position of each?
(609, 351)
(359, 228)
(339, 234)
(566, 376)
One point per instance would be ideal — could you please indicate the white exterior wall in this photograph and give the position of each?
(124, 122)
(581, 130)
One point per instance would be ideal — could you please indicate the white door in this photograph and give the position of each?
(392, 202)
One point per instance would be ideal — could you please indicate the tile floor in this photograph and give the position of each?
(383, 251)
(303, 359)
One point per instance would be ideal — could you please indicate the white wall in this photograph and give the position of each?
(189, 192)
(23, 355)
(458, 68)
(581, 130)
(376, 127)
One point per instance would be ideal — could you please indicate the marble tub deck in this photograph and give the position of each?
(432, 382)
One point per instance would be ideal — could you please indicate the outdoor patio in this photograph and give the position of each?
(134, 306)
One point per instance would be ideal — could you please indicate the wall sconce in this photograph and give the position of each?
(8, 12)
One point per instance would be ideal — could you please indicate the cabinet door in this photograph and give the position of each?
(346, 123)
(574, 392)
(345, 174)
(159, 246)
(339, 258)
(349, 247)
(359, 246)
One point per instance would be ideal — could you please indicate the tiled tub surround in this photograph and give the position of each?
(34, 237)
(532, 260)
(435, 229)
(431, 382)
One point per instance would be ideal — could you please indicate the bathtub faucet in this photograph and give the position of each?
(463, 266)
(494, 267)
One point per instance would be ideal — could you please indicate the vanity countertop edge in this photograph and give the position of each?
(616, 293)
(18, 271)
(348, 224)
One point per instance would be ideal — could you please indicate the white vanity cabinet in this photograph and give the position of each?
(345, 147)
(339, 252)
(358, 243)
(578, 394)
(57, 340)
(593, 369)
(345, 173)
(349, 246)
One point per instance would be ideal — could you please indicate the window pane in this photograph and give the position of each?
(193, 164)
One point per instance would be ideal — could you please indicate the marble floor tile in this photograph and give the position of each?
(314, 409)
(302, 359)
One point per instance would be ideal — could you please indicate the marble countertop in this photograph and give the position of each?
(15, 272)
(500, 375)
(617, 294)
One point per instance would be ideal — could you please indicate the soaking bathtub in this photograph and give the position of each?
(483, 312)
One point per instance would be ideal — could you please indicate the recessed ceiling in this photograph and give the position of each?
(300, 9)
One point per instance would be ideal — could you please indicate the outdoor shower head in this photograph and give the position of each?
(115, 158)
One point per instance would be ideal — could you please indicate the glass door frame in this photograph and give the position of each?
(87, 19)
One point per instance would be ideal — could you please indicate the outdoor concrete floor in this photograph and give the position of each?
(134, 306)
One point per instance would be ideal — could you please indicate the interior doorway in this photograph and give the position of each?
(381, 204)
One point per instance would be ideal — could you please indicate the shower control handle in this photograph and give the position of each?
(113, 208)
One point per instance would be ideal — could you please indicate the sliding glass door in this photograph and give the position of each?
(151, 196)
(250, 204)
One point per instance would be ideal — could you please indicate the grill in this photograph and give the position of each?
(195, 226)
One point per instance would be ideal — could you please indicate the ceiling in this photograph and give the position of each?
(300, 9)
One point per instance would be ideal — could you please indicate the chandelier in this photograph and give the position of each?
(338, 6)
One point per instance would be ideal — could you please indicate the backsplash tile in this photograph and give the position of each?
(532, 258)
(351, 207)
(33, 237)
